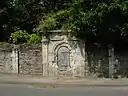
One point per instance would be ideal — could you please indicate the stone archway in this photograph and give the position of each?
(60, 57)
(63, 58)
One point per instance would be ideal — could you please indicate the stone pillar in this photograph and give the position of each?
(86, 64)
(15, 60)
(111, 60)
(79, 59)
(45, 56)
(86, 61)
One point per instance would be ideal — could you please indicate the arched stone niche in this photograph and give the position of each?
(62, 56)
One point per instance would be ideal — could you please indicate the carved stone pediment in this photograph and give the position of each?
(57, 38)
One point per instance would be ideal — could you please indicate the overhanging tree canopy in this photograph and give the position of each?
(92, 21)
(25, 14)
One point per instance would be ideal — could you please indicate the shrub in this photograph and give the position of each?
(34, 39)
(19, 37)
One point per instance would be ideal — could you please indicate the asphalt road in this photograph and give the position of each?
(18, 90)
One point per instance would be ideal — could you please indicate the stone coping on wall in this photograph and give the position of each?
(5, 47)
(8, 47)
(58, 31)
(30, 47)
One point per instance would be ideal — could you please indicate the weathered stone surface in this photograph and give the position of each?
(5, 58)
(98, 62)
(63, 56)
(30, 60)
(121, 61)
(23, 59)
(53, 57)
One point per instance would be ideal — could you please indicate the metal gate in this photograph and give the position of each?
(63, 58)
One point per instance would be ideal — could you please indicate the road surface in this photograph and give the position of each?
(18, 90)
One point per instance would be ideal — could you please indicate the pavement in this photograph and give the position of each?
(21, 90)
(61, 81)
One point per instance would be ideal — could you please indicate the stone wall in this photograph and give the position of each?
(30, 59)
(98, 61)
(106, 61)
(24, 59)
(121, 61)
(63, 56)
(5, 58)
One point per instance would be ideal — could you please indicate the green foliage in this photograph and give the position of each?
(48, 24)
(34, 39)
(95, 22)
(91, 20)
(25, 14)
(53, 21)
(19, 37)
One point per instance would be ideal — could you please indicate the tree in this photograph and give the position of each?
(104, 22)
(5, 9)
(25, 14)
(28, 13)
